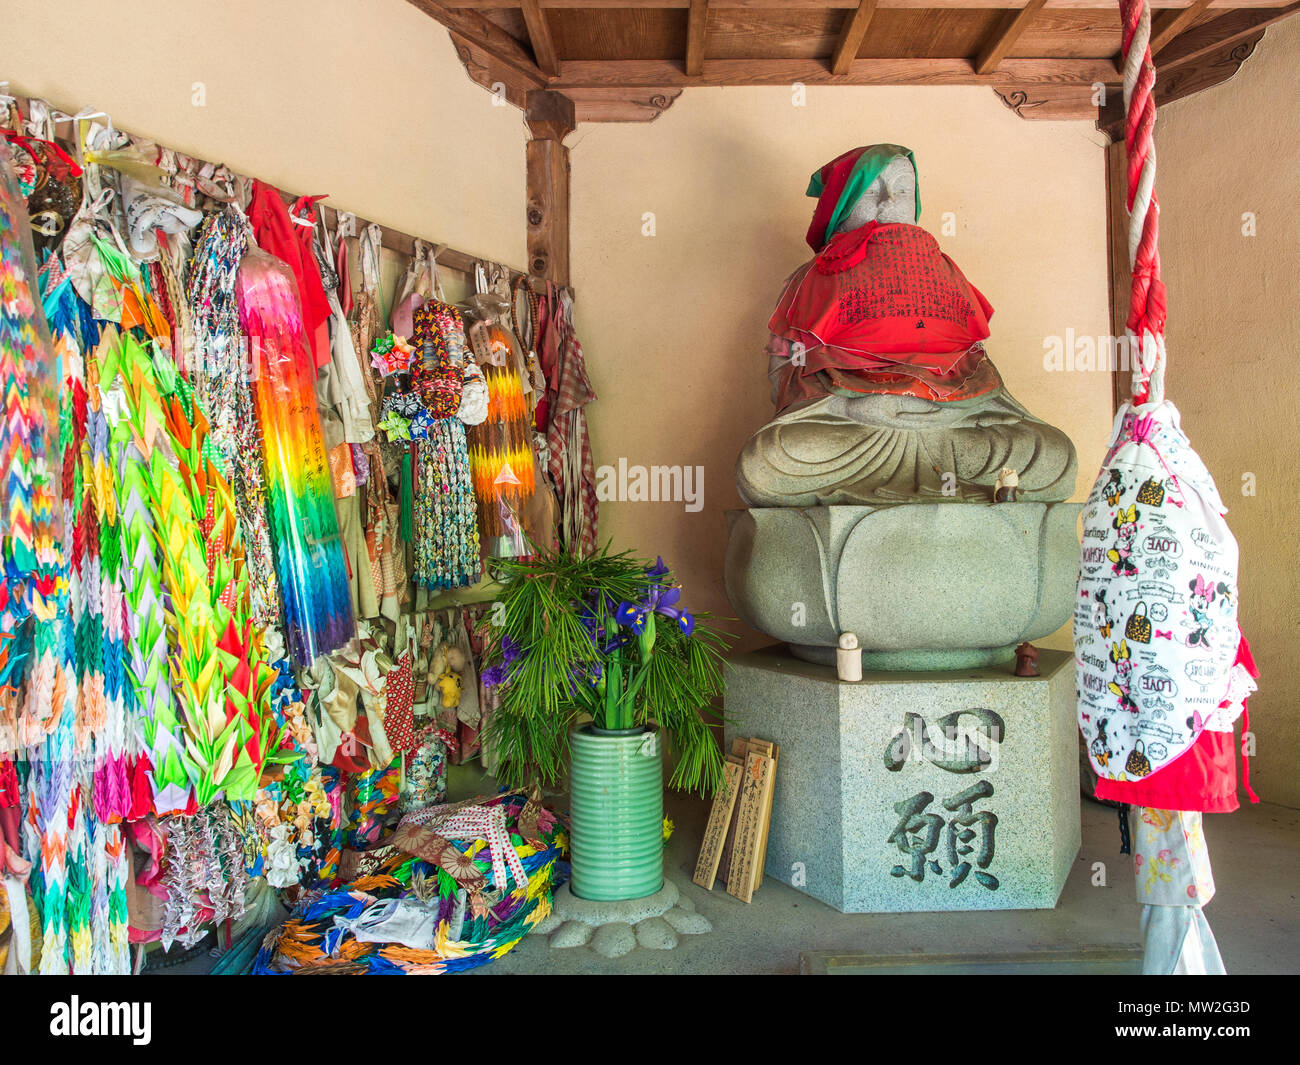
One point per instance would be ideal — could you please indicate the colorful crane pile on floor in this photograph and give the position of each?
(229, 498)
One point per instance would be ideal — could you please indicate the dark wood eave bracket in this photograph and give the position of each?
(1191, 55)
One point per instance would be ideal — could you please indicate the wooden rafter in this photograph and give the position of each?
(1170, 24)
(852, 34)
(488, 36)
(1217, 34)
(697, 29)
(846, 5)
(632, 58)
(662, 72)
(1004, 38)
(539, 36)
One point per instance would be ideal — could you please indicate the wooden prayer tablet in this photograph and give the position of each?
(766, 827)
(734, 848)
(739, 752)
(720, 820)
(754, 790)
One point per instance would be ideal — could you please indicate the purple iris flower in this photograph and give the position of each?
(664, 601)
(658, 571)
(660, 600)
(583, 673)
(500, 673)
(601, 637)
(632, 615)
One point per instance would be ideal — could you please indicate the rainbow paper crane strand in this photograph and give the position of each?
(309, 553)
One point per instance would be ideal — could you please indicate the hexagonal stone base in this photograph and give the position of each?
(916, 791)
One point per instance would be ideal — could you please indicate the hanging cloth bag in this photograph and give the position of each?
(1157, 552)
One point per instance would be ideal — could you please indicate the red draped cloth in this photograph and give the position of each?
(277, 233)
(882, 309)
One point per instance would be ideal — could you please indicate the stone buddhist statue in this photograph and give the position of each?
(883, 390)
(889, 411)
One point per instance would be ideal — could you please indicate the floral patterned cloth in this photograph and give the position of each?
(1174, 882)
(1170, 859)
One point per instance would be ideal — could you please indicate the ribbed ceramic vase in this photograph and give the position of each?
(616, 806)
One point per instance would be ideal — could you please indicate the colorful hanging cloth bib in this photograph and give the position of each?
(1155, 624)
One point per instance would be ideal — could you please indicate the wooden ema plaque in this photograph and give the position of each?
(755, 787)
(716, 831)
(739, 753)
(735, 838)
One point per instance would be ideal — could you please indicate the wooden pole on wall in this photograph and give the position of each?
(1111, 122)
(550, 118)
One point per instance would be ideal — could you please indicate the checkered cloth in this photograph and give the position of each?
(569, 446)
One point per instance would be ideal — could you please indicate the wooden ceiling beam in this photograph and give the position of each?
(845, 5)
(697, 31)
(852, 34)
(539, 36)
(1004, 38)
(1211, 37)
(487, 36)
(1169, 24)
(668, 74)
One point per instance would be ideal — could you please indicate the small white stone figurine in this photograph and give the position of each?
(1007, 487)
(848, 657)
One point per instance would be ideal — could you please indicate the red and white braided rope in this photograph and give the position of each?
(1147, 309)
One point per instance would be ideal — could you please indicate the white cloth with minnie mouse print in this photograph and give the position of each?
(1155, 623)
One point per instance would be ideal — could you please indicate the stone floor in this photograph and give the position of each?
(1256, 856)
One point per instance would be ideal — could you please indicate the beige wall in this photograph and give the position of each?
(674, 324)
(1233, 340)
(365, 101)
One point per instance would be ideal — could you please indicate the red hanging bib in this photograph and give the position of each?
(884, 295)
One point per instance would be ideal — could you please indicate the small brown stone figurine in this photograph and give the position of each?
(1027, 660)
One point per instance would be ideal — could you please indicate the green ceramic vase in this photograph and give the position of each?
(616, 807)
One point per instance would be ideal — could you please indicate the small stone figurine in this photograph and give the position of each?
(1027, 660)
(848, 657)
(1007, 487)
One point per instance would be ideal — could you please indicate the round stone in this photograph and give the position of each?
(686, 903)
(687, 923)
(614, 940)
(656, 934)
(597, 912)
(571, 934)
(548, 924)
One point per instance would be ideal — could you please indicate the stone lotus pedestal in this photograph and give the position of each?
(922, 585)
(920, 790)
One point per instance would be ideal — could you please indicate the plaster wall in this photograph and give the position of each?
(674, 323)
(367, 102)
(1228, 157)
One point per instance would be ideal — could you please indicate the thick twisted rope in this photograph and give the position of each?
(1147, 310)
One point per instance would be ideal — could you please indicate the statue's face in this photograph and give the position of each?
(891, 198)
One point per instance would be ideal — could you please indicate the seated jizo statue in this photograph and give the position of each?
(884, 392)
(889, 411)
